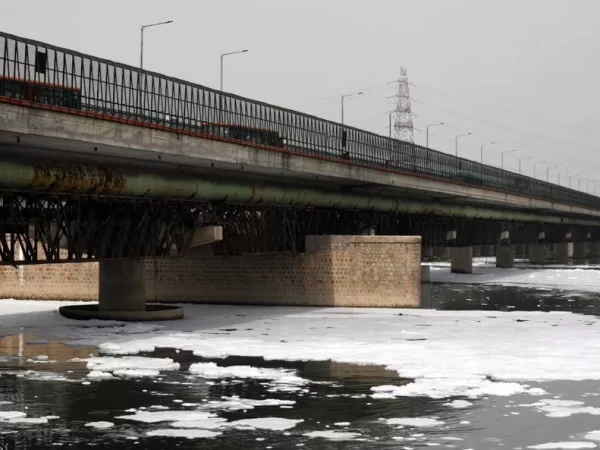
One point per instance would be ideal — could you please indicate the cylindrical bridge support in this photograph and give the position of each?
(122, 295)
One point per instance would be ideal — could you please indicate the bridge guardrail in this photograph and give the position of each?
(36, 73)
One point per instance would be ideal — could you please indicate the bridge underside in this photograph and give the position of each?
(37, 228)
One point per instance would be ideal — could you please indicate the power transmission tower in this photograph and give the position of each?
(403, 123)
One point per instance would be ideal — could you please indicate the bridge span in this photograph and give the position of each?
(104, 162)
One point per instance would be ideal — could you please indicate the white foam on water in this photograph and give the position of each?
(29, 420)
(563, 408)
(457, 355)
(136, 373)
(265, 423)
(459, 404)
(97, 375)
(167, 416)
(111, 364)
(333, 435)
(235, 403)
(593, 435)
(208, 424)
(7, 415)
(417, 422)
(182, 433)
(342, 424)
(563, 445)
(100, 425)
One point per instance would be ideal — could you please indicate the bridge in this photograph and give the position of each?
(146, 174)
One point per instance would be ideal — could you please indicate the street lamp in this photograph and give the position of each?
(587, 187)
(348, 95)
(456, 142)
(579, 183)
(227, 54)
(570, 177)
(534, 167)
(521, 159)
(559, 173)
(482, 145)
(142, 28)
(548, 172)
(427, 132)
(502, 157)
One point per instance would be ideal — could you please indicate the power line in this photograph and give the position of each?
(500, 109)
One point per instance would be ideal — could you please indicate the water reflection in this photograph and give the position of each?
(509, 298)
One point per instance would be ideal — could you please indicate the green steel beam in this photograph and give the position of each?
(94, 180)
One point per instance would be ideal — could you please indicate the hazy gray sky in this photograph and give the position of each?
(524, 73)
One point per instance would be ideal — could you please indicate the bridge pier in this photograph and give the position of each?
(560, 252)
(537, 253)
(122, 295)
(505, 256)
(580, 250)
(462, 260)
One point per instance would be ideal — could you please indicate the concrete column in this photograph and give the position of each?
(462, 260)
(595, 249)
(579, 250)
(560, 252)
(476, 251)
(425, 274)
(122, 285)
(442, 252)
(487, 250)
(521, 251)
(505, 256)
(537, 253)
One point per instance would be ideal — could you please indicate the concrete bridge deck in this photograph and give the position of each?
(39, 135)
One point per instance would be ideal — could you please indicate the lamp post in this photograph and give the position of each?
(502, 157)
(482, 145)
(548, 172)
(579, 183)
(223, 55)
(570, 177)
(559, 174)
(343, 97)
(534, 167)
(587, 187)
(456, 142)
(521, 159)
(142, 28)
(427, 132)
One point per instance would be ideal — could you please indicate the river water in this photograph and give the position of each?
(336, 411)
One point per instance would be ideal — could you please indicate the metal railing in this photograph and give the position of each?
(43, 75)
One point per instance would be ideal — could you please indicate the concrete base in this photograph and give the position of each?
(487, 250)
(122, 296)
(537, 253)
(579, 250)
(462, 260)
(505, 256)
(560, 252)
(425, 274)
(150, 313)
